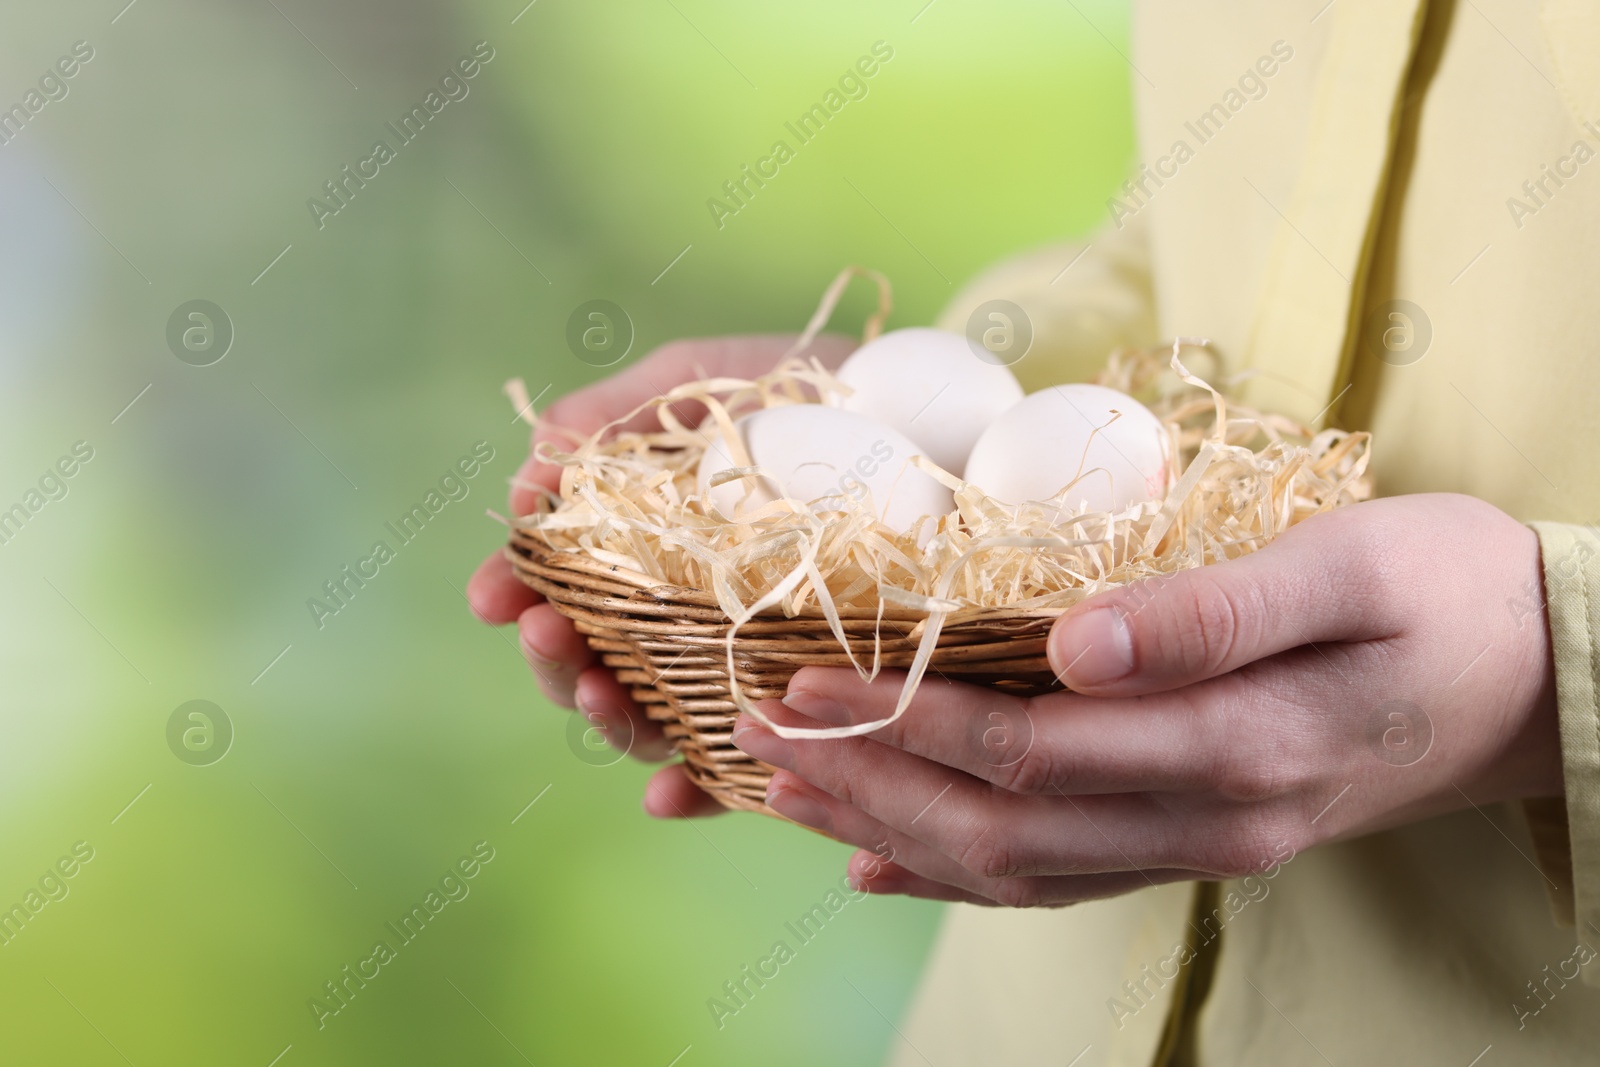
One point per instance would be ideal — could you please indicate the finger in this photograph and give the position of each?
(894, 879)
(495, 592)
(788, 794)
(989, 831)
(1310, 584)
(1059, 743)
(869, 874)
(610, 708)
(891, 849)
(671, 794)
(555, 650)
(552, 640)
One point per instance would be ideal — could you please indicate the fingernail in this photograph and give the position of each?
(644, 804)
(1095, 648)
(587, 709)
(764, 745)
(793, 804)
(605, 721)
(538, 660)
(872, 876)
(875, 883)
(548, 669)
(817, 706)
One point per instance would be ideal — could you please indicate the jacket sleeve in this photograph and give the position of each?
(1082, 298)
(1566, 831)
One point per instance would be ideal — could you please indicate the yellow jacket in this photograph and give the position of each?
(1389, 210)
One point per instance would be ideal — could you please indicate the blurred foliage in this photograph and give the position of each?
(374, 752)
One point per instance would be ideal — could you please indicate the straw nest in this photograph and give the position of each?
(701, 616)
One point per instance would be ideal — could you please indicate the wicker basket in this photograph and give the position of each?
(667, 645)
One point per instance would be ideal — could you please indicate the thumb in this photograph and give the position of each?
(533, 474)
(1310, 584)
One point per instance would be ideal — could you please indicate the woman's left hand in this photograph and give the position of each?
(1372, 666)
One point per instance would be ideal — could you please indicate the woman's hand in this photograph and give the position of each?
(568, 672)
(1367, 669)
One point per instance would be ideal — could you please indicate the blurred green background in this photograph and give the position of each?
(370, 754)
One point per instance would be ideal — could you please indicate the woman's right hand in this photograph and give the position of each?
(569, 674)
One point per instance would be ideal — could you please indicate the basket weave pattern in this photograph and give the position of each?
(667, 645)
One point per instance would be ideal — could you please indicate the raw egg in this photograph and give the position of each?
(1109, 448)
(930, 386)
(820, 455)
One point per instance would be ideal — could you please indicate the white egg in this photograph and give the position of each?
(1074, 434)
(930, 386)
(819, 455)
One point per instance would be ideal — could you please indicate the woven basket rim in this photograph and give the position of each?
(634, 594)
